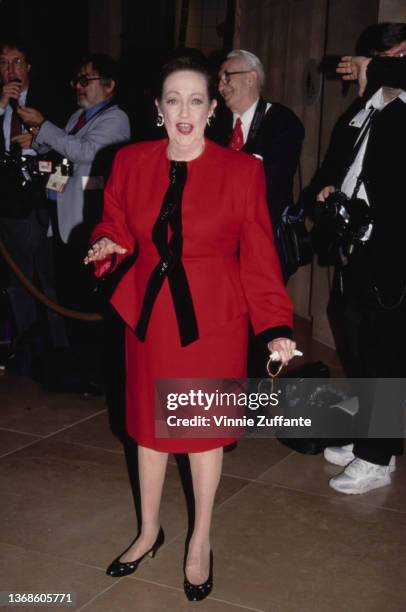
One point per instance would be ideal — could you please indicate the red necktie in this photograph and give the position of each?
(237, 138)
(79, 124)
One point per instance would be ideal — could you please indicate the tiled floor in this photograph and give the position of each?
(283, 540)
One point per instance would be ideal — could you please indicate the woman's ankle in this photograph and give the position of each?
(149, 530)
(199, 545)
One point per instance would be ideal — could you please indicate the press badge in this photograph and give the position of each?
(57, 181)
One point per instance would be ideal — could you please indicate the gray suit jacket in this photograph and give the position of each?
(80, 205)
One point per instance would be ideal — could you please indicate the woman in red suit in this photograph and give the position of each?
(206, 261)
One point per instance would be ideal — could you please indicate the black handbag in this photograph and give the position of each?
(294, 241)
(293, 238)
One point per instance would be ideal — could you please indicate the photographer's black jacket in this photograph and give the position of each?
(382, 260)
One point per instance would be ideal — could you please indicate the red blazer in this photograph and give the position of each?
(228, 251)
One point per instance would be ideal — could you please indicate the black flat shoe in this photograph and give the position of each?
(117, 568)
(197, 592)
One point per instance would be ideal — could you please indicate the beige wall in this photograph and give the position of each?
(392, 10)
(203, 19)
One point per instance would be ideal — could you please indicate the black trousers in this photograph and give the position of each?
(370, 334)
(31, 249)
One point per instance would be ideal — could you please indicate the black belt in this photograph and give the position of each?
(170, 265)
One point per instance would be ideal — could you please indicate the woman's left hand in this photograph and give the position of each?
(285, 347)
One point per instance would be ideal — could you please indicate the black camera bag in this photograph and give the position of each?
(294, 241)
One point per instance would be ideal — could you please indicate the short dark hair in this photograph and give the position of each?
(192, 63)
(14, 43)
(103, 64)
(380, 37)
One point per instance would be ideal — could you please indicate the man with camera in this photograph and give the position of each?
(86, 147)
(361, 184)
(23, 213)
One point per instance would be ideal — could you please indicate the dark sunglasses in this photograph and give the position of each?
(83, 81)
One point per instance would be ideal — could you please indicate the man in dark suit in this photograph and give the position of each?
(268, 130)
(25, 237)
(368, 304)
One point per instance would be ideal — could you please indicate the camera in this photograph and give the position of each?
(22, 184)
(341, 224)
(329, 65)
(350, 216)
(23, 168)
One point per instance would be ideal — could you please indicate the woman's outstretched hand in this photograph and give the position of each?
(285, 347)
(102, 249)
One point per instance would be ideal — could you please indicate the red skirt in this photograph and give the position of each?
(222, 354)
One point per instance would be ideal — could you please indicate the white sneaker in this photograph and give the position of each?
(361, 476)
(339, 455)
(343, 455)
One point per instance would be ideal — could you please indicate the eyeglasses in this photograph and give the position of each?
(83, 81)
(16, 62)
(225, 76)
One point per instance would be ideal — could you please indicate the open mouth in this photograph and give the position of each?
(184, 128)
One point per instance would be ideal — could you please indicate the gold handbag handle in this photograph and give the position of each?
(269, 368)
(273, 375)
